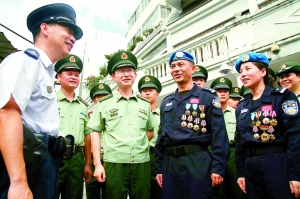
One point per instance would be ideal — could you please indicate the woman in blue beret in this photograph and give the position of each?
(267, 135)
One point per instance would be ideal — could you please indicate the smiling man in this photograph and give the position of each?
(73, 115)
(28, 98)
(127, 124)
(191, 119)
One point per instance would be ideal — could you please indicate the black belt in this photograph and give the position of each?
(184, 150)
(253, 151)
(151, 149)
(77, 149)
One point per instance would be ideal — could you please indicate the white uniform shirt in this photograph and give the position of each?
(31, 83)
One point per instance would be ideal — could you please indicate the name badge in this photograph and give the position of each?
(169, 104)
(244, 111)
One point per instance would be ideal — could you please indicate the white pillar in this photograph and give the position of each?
(199, 57)
(220, 46)
(225, 46)
(193, 53)
(214, 47)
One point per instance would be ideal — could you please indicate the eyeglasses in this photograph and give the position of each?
(124, 71)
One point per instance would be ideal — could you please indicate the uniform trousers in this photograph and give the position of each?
(155, 189)
(95, 189)
(124, 178)
(45, 186)
(187, 177)
(70, 183)
(232, 189)
(267, 176)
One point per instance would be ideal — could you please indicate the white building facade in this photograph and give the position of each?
(216, 32)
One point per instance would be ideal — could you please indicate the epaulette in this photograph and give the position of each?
(209, 90)
(168, 95)
(82, 100)
(242, 100)
(142, 98)
(279, 90)
(105, 97)
(32, 53)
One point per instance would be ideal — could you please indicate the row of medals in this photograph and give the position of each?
(187, 118)
(265, 124)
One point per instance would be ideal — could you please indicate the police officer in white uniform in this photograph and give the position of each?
(28, 97)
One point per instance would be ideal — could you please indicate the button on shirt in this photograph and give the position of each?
(124, 123)
(73, 118)
(230, 122)
(31, 83)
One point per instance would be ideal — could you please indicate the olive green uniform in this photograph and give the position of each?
(124, 123)
(73, 119)
(155, 189)
(232, 190)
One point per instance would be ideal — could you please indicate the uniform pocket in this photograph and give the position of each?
(168, 117)
(112, 123)
(142, 120)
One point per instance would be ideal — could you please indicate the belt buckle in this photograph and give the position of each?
(179, 150)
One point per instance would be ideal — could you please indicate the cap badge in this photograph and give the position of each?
(236, 90)
(101, 86)
(283, 66)
(222, 80)
(179, 54)
(245, 58)
(197, 69)
(72, 59)
(124, 56)
(147, 79)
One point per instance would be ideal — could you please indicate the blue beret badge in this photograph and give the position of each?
(179, 54)
(216, 102)
(290, 107)
(245, 58)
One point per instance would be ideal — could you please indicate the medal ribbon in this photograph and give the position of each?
(188, 106)
(203, 123)
(255, 129)
(201, 107)
(183, 117)
(252, 115)
(271, 129)
(258, 113)
(196, 121)
(190, 118)
(273, 114)
(266, 113)
(194, 106)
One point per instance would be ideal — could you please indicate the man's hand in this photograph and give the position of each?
(242, 183)
(295, 188)
(87, 174)
(99, 173)
(19, 190)
(215, 179)
(159, 179)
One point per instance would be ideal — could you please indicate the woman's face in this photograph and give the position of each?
(250, 75)
(290, 80)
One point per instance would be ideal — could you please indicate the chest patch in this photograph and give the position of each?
(290, 107)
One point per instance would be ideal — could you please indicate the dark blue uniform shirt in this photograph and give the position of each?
(171, 133)
(286, 132)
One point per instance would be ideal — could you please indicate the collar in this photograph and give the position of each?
(61, 96)
(195, 91)
(156, 111)
(44, 57)
(266, 97)
(118, 96)
(229, 109)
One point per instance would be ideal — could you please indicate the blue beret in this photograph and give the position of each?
(181, 55)
(251, 57)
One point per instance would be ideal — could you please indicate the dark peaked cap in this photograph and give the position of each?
(57, 13)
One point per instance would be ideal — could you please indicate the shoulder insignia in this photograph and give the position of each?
(105, 97)
(279, 90)
(209, 90)
(142, 98)
(32, 53)
(82, 100)
(216, 102)
(290, 107)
